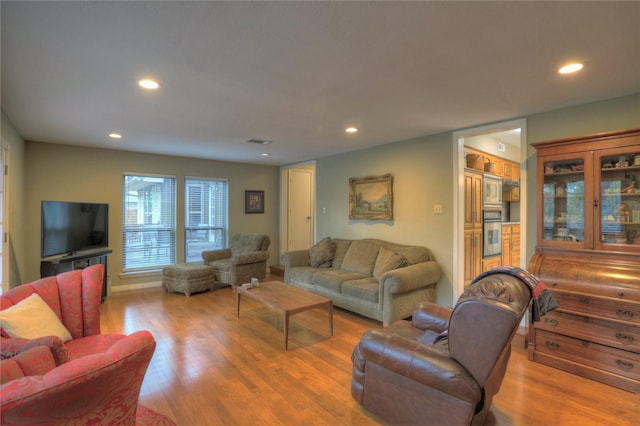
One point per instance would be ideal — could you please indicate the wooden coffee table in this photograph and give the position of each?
(286, 299)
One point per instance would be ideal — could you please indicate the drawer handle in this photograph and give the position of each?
(551, 321)
(624, 364)
(624, 313)
(584, 300)
(620, 294)
(552, 345)
(553, 284)
(624, 338)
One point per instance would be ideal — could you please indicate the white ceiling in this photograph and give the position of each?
(298, 73)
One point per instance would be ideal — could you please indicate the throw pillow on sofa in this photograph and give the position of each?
(388, 260)
(32, 318)
(321, 254)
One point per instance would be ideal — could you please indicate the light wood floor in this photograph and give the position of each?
(210, 368)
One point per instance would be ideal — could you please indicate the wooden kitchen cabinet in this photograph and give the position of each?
(511, 244)
(491, 262)
(511, 193)
(506, 169)
(472, 225)
(588, 255)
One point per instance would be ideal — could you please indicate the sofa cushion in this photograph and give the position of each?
(362, 289)
(333, 278)
(361, 256)
(321, 254)
(388, 260)
(31, 318)
(341, 249)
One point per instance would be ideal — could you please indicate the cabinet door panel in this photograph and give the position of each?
(565, 201)
(618, 199)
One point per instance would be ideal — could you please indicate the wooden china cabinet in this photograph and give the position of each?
(588, 254)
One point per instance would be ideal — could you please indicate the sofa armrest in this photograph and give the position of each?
(211, 255)
(292, 259)
(247, 258)
(35, 361)
(411, 277)
(11, 347)
(430, 316)
(417, 362)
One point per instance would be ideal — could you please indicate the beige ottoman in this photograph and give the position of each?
(188, 278)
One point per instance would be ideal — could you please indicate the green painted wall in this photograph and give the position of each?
(421, 168)
(422, 177)
(71, 173)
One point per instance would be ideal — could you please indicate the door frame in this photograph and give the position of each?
(458, 194)
(4, 236)
(284, 202)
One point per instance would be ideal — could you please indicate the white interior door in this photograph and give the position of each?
(300, 209)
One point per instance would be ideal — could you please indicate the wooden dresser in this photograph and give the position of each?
(588, 254)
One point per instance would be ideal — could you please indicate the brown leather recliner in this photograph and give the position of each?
(445, 366)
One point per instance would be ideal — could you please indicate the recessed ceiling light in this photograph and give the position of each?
(351, 129)
(571, 68)
(265, 154)
(115, 135)
(148, 84)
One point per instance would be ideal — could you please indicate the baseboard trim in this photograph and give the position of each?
(139, 286)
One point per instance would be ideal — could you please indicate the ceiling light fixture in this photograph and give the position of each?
(148, 84)
(115, 135)
(571, 68)
(351, 130)
(265, 154)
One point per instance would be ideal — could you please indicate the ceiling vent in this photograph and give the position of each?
(259, 141)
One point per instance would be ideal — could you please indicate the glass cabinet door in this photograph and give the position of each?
(564, 200)
(619, 192)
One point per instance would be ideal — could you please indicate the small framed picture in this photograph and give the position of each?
(254, 201)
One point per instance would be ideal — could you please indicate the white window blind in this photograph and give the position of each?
(148, 221)
(205, 216)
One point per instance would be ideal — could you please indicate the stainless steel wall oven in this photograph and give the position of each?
(491, 233)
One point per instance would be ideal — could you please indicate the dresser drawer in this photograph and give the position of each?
(602, 307)
(587, 353)
(629, 291)
(621, 336)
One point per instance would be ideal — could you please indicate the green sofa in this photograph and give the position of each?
(374, 278)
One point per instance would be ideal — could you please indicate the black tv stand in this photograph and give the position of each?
(77, 260)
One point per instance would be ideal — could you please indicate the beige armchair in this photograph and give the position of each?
(245, 258)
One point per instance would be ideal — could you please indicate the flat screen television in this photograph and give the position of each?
(70, 227)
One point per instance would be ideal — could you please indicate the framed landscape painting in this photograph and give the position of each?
(371, 197)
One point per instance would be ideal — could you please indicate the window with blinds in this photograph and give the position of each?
(149, 221)
(205, 216)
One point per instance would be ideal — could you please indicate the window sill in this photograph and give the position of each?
(150, 273)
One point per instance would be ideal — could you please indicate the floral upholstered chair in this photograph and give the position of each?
(99, 389)
(245, 258)
(61, 312)
(57, 368)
